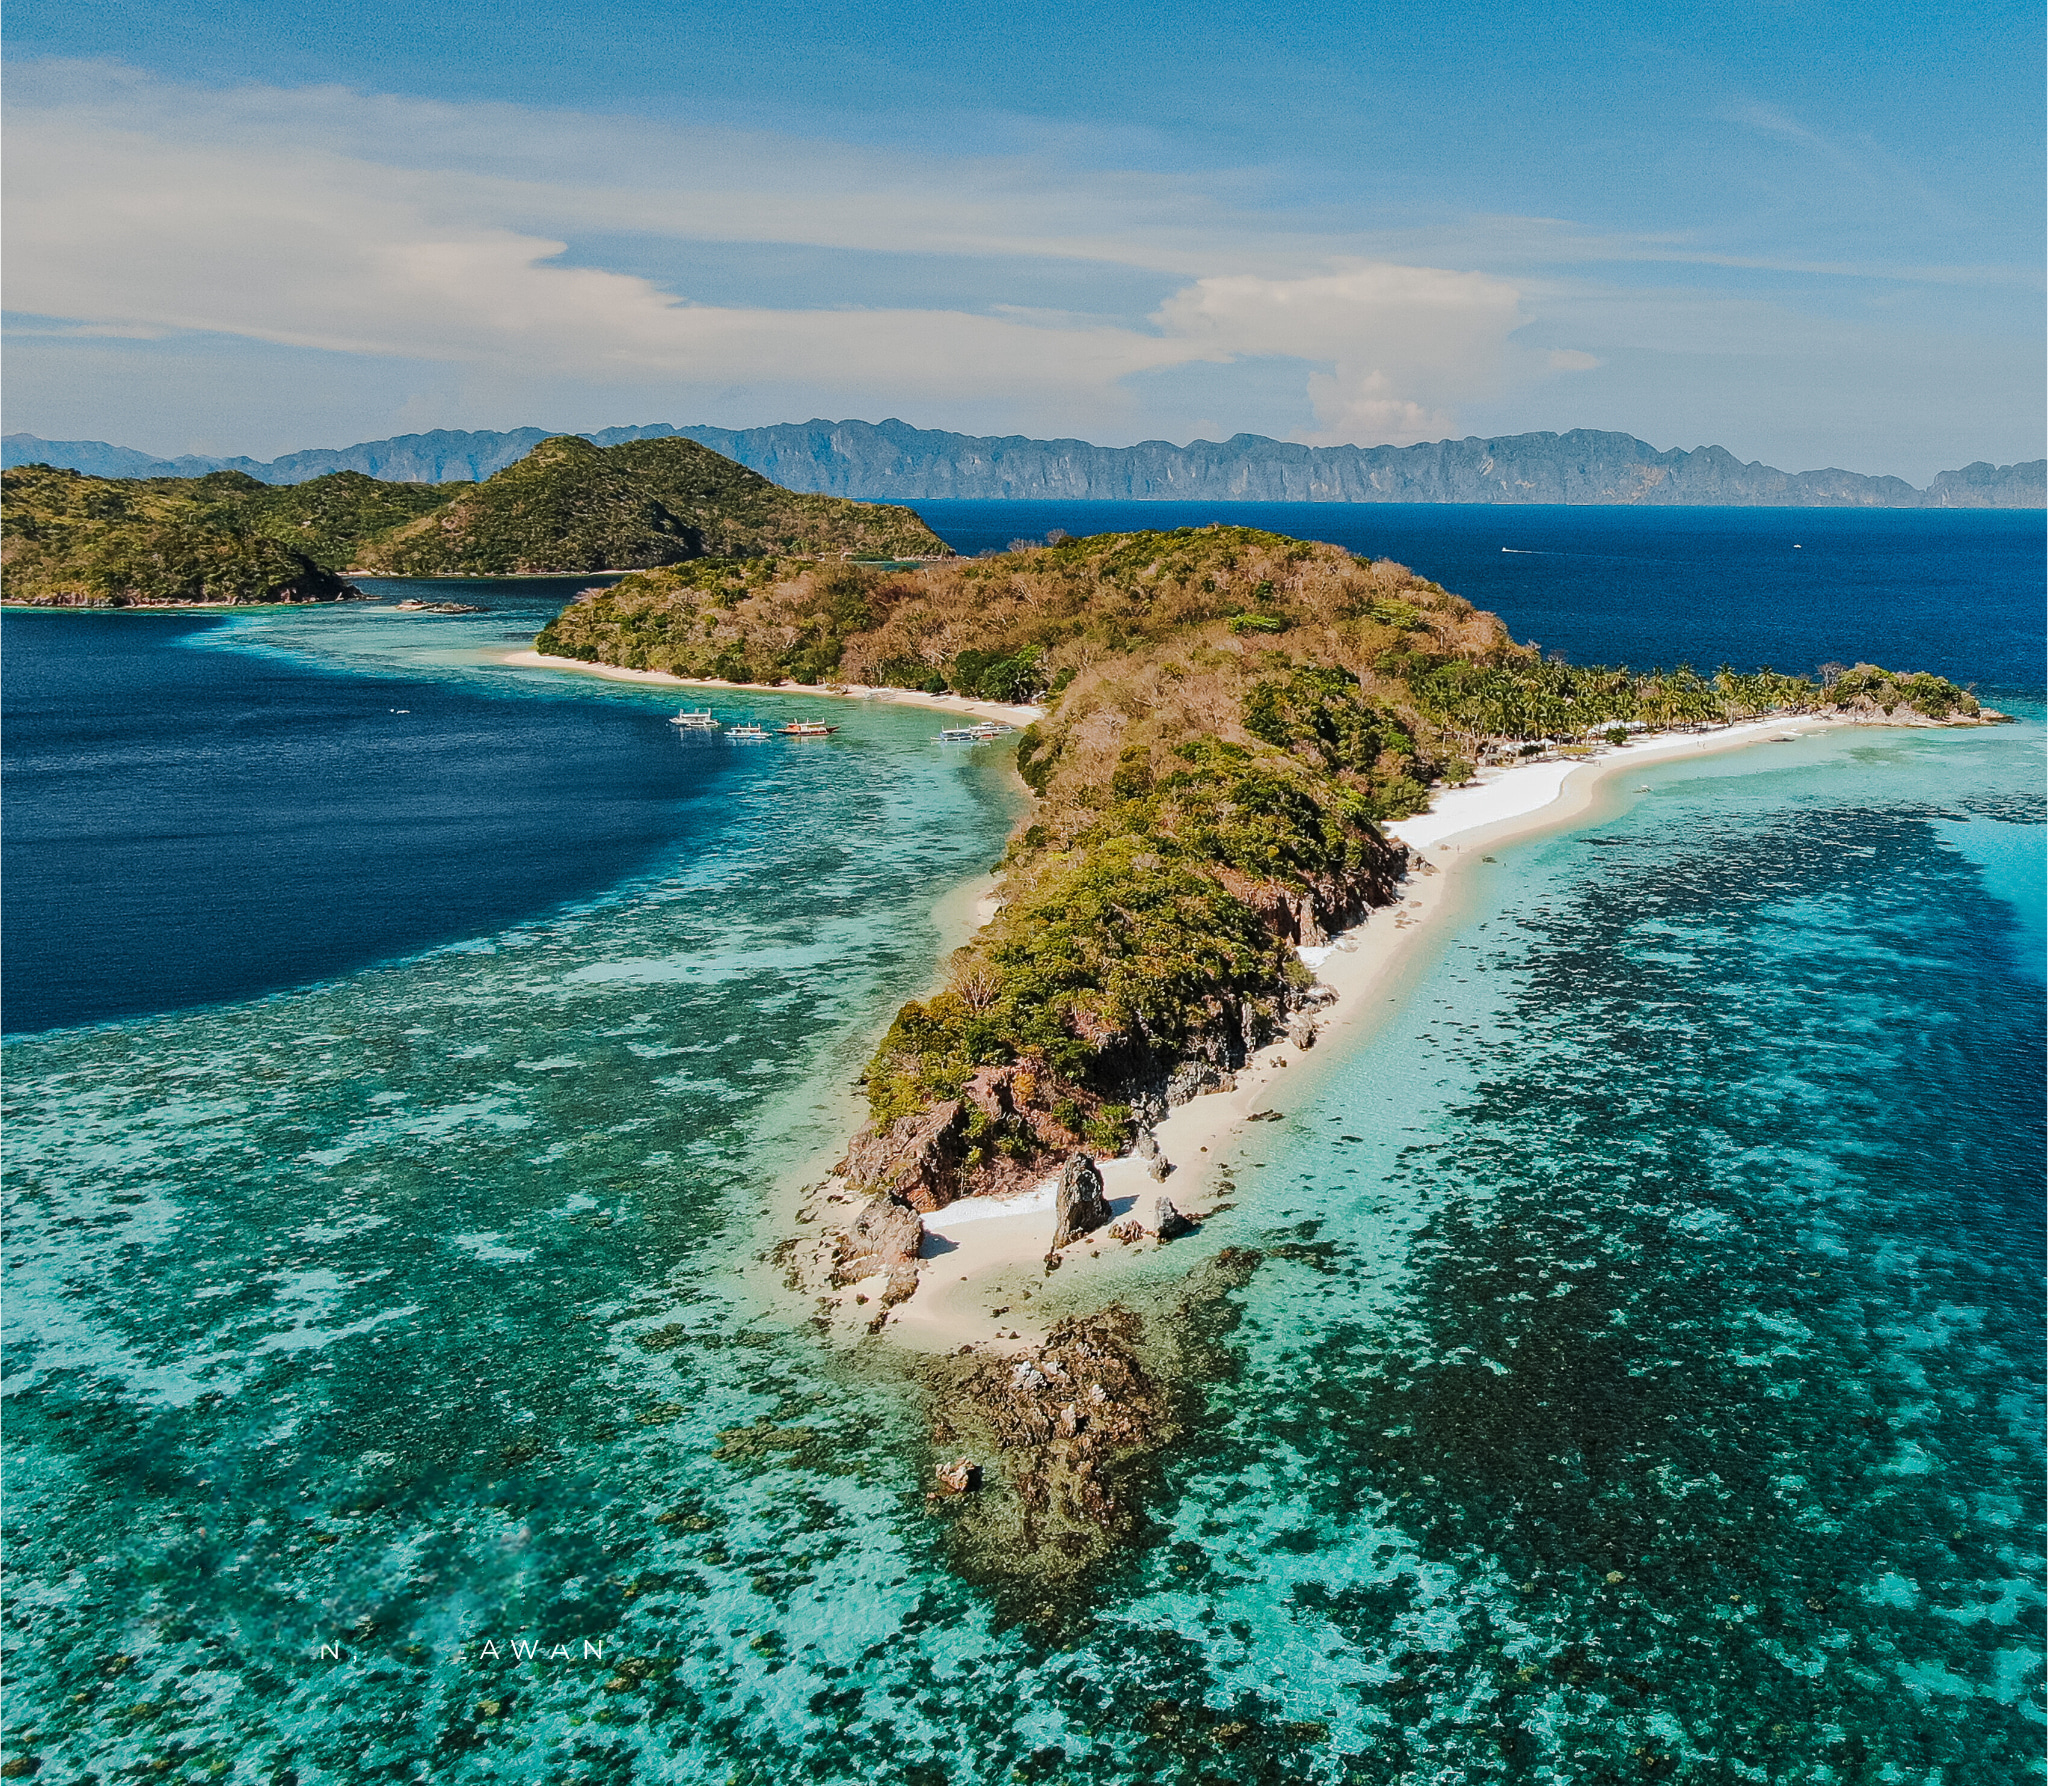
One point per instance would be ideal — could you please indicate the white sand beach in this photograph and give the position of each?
(1015, 714)
(984, 1270)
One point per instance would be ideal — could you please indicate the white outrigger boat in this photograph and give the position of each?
(984, 733)
(749, 733)
(695, 719)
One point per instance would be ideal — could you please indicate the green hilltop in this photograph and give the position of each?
(75, 541)
(572, 506)
(72, 540)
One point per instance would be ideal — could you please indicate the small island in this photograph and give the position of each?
(1229, 730)
(1238, 747)
(227, 540)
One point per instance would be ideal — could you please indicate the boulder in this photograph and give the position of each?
(1168, 1223)
(1159, 1169)
(1146, 1146)
(1082, 1206)
(959, 1477)
(882, 1240)
(1126, 1231)
(1302, 1031)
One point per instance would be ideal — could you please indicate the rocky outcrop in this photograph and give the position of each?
(1052, 1423)
(1081, 1204)
(915, 1160)
(1168, 1222)
(961, 1476)
(883, 1240)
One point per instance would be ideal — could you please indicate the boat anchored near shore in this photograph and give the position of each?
(695, 719)
(985, 733)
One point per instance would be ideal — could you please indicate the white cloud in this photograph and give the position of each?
(1404, 344)
(136, 209)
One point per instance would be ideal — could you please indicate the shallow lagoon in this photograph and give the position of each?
(1688, 1234)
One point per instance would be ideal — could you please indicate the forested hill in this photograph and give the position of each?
(892, 461)
(1231, 714)
(77, 541)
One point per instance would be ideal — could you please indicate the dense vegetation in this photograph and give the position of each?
(1233, 714)
(74, 540)
(568, 506)
(572, 506)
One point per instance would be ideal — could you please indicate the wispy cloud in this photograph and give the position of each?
(368, 227)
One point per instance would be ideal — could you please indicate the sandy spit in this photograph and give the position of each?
(1009, 714)
(981, 1256)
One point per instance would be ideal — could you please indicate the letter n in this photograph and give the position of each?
(590, 1649)
(330, 1652)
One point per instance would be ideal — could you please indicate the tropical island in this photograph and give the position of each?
(1232, 716)
(1224, 734)
(226, 539)
(1225, 726)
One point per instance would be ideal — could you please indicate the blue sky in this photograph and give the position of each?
(1808, 232)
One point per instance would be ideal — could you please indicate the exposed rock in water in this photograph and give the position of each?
(882, 1240)
(1082, 1206)
(1072, 1436)
(1055, 1422)
(1168, 1222)
(961, 1476)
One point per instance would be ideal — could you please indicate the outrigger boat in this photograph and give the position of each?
(806, 728)
(984, 733)
(749, 733)
(695, 719)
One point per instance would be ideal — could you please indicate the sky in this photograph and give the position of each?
(1805, 230)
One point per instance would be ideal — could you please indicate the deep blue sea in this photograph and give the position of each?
(1639, 1378)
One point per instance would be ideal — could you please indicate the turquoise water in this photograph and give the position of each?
(1638, 1378)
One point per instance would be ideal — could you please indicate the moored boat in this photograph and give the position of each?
(749, 733)
(695, 719)
(806, 728)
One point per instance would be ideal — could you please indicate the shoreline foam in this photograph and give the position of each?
(978, 1259)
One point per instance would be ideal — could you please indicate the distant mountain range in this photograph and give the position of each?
(888, 461)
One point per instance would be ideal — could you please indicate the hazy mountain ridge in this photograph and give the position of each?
(892, 461)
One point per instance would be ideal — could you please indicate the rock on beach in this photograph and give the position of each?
(1082, 1205)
